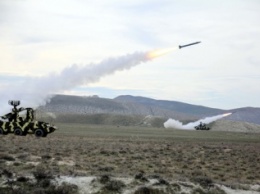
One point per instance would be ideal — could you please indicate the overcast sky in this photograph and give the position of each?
(38, 38)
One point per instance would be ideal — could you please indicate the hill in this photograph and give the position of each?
(234, 126)
(179, 107)
(127, 105)
(247, 114)
(140, 106)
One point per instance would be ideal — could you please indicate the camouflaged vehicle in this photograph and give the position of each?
(202, 126)
(13, 123)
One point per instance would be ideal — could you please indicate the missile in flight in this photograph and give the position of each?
(181, 46)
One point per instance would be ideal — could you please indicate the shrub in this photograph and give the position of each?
(204, 181)
(197, 172)
(114, 185)
(66, 188)
(176, 187)
(7, 173)
(104, 179)
(162, 181)
(7, 157)
(106, 168)
(41, 173)
(198, 191)
(46, 157)
(22, 179)
(216, 191)
(9, 190)
(45, 183)
(140, 176)
(148, 190)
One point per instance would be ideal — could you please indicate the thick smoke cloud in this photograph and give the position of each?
(35, 91)
(171, 123)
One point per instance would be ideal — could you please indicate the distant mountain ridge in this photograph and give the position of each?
(247, 114)
(132, 105)
(171, 105)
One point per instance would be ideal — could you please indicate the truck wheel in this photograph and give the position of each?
(39, 133)
(18, 131)
(2, 132)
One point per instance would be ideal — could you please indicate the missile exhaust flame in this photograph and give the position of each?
(160, 52)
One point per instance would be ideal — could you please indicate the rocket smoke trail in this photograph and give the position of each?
(171, 123)
(34, 91)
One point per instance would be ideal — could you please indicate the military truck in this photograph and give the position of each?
(202, 126)
(14, 123)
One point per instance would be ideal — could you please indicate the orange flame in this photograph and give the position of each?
(160, 52)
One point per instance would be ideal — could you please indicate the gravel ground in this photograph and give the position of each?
(202, 158)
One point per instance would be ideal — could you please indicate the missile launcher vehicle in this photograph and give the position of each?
(202, 126)
(21, 126)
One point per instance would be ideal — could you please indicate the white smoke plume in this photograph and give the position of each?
(171, 123)
(34, 91)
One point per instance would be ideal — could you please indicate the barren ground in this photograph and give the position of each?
(225, 158)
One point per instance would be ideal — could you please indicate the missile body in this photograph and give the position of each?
(181, 46)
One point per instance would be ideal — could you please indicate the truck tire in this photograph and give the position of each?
(18, 131)
(39, 133)
(2, 132)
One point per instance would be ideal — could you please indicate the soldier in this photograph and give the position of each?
(29, 115)
(14, 115)
(200, 125)
(204, 126)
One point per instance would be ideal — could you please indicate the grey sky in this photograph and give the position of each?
(40, 37)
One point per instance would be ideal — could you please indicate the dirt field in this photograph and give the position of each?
(224, 158)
